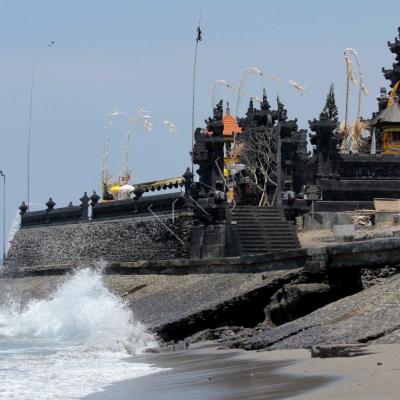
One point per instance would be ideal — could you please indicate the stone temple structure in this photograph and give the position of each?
(254, 175)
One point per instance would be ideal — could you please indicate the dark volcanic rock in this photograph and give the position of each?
(370, 316)
(373, 276)
(339, 350)
(224, 333)
(296, 300)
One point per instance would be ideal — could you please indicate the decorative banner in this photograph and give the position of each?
(348, 52)
(171, 127)
(143, 113)
(297, 86)
(257, 99)
(249, 71)
(216, 83)
(352, 132)
(147, 125)
(145, 116)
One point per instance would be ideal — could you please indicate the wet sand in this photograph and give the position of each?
(375, 376)
(204, 373)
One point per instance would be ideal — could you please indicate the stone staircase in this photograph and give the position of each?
(262, 229)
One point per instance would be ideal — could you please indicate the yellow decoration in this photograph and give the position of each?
(230, 195)
(392, 94)
(391, 141)
(115, 189)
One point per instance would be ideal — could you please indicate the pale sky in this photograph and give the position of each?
(128, 54)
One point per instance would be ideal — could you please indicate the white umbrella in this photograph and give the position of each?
(127, 188)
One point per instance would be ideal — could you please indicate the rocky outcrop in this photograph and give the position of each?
(254, 302)
(176, 306)
(338, 350)
(370, 316)
(295, 300)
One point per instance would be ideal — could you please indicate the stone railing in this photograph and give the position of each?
(171, 203)
(63, 215)
(111, 209)
(163, 203)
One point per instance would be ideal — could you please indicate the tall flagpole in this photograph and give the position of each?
(28, 156)
(198, 39)
(4, 216)
(29, 135)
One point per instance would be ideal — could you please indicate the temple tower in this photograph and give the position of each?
(393, 74)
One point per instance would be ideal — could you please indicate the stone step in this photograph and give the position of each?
(261, 221)
(270, 239)
(271, 245)
(265, 228)
(269, 235)
(266, 214)
(260, 230)
(277, 230)
(251, 243)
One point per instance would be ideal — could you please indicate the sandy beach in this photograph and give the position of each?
(204, 373)
(369, 377)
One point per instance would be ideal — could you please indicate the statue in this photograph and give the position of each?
(188, 176)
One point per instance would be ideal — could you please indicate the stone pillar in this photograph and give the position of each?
(196, 241)
(214, 241)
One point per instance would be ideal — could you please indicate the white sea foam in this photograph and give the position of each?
(72, 344)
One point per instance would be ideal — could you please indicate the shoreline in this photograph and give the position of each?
(205, 373)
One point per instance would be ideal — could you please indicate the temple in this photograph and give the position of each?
(258, 173)
(272, 156)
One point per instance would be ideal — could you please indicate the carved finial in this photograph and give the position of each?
(251, 106)
(94, 198)
(265, 105)
(50, 204)
(228, 110)
(218, 111)
(23, 208)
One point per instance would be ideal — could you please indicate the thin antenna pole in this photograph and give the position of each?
(4, 217)
(346, 116)
(198, 39)
(28, 158)
(29, 134)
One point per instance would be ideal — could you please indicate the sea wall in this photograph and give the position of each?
(132, 239)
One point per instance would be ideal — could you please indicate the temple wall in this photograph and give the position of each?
(118, 240)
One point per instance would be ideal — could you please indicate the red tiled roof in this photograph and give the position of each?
(230, 125)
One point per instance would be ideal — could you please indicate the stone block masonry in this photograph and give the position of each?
(118, 240)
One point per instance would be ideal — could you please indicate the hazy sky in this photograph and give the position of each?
(127, 54)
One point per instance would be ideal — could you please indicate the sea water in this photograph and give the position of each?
(76, 342)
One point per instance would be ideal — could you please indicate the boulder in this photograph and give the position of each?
(296, 300)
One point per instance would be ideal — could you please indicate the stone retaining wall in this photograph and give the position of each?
(113, 241)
